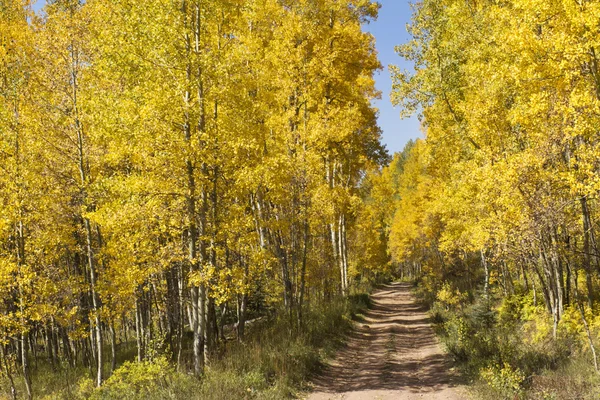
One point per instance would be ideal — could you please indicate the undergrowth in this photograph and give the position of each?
(504, 346)
(274, 362)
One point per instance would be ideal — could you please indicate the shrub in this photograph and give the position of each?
(154, 379)
(505, 380)
(448, 297)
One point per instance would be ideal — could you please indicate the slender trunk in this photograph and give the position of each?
(181, 315)
(20, 234)
(344, 252)
(242, 303)
(486, 285)
(525, 279)
(202, 317)
(139, 336)
(125, 328)
(560, 291)
(568, 283)
(49, 346)
(221, 327)
(202, 292)
(303, 275)
(589, 337)
(54, 335)
(241, 325)
(553, 293)
(192, 230)
(587, 260)
(33, 339)
(343, 277)
(544, 286)
(113, 348)
(24, 342)
(67, 351)
(23, 339)
(87, 224)
(25, 365)
(95, 305)
(194, 77)
(534, 293)
(212, 326)
(334, 247)
(92, 343)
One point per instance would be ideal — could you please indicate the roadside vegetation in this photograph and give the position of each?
(504, 346)
(272, 363)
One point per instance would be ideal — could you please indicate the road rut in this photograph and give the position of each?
(392, 354)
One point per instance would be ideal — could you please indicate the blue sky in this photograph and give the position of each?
(37, 4)
(389, 30)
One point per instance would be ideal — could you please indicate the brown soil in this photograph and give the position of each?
(392, 354)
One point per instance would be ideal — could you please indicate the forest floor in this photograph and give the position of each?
(392, 354)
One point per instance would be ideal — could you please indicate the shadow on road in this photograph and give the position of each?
(393, 349)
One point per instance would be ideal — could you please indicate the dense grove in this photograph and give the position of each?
(172, 169)
(496, 210)
(194, 192)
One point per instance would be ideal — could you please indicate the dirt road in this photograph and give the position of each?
(392, 354)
